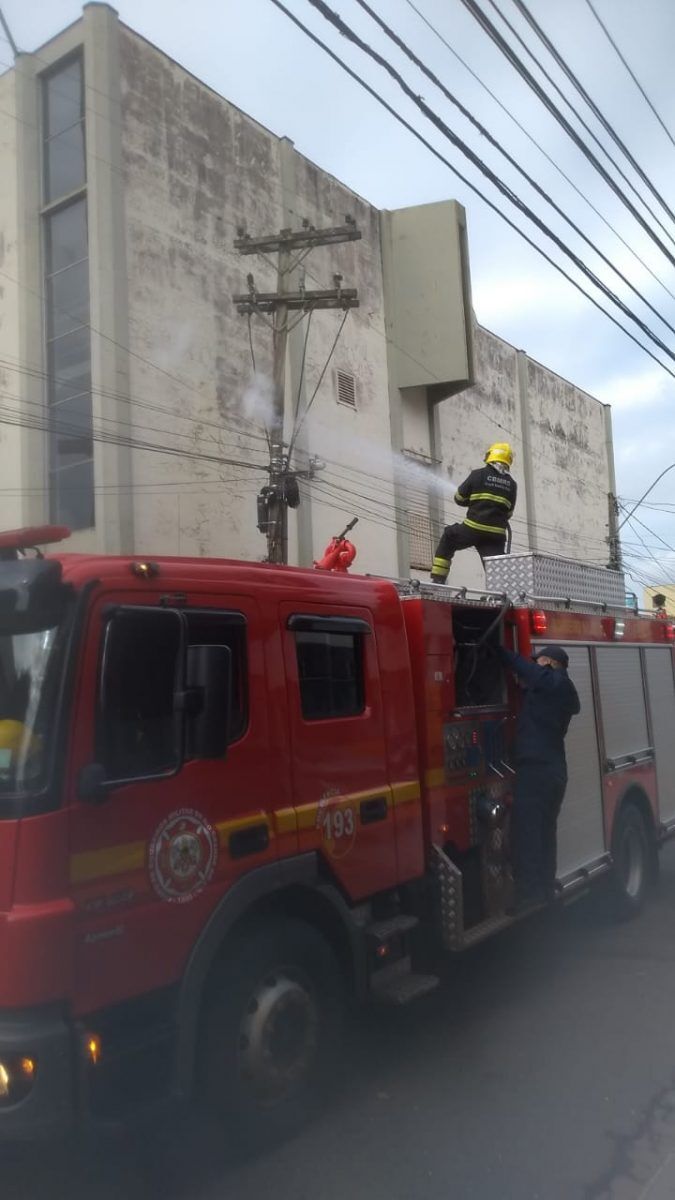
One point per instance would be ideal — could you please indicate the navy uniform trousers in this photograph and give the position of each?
(538, 795)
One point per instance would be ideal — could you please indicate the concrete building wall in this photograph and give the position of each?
(353, 442)
(429, 295)
(466, 424)
(196, 169)
(11, 475)
(562, 457)
(173, 172)
(193, 168)
(570, 471)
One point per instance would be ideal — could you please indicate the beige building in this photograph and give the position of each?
(130, 408)
(662, 589)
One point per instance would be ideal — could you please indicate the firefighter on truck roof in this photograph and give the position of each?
(489, 494)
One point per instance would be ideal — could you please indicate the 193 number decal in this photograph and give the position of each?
(338, 823)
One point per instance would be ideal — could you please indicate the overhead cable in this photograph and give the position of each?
(509, 157)
(597, 113)
(538, 146)
(546, 100)
(632, 74)
(582, 121)
(336, 21)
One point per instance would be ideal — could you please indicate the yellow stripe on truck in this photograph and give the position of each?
(112, 860)
(131, 856)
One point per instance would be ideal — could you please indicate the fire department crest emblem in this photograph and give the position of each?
(183, 856)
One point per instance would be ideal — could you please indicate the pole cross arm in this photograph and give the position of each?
(251, 302)
(301, 239)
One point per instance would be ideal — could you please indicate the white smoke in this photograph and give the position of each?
(258, 399)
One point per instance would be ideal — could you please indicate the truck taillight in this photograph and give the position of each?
(538, 621)
(670, 632)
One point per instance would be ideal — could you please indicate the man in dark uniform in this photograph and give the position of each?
(489, 494)
(549, 704)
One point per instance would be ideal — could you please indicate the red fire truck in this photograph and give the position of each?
(233, 796)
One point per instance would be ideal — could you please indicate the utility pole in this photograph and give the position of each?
(282, 491)
(615, 562)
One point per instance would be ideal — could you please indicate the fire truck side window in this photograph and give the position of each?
(330, 671)
(136, 732)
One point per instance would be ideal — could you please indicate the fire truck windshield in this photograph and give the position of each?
(27, 700)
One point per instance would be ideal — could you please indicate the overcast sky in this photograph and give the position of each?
(251, 53)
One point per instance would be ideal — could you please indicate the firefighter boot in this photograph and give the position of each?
(440, 569)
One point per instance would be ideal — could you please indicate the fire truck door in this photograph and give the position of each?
(661, 690)
(150, 856)
(581, 837)
(343, 796)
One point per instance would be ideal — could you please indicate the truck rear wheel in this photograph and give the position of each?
(632, 861)
(270, 1027)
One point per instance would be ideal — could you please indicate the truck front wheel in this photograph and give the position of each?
(631, 858)
(271, 1024)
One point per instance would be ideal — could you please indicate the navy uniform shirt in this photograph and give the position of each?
(549, 704)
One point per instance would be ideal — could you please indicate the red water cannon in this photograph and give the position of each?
(339, 553)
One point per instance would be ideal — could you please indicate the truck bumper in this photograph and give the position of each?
(48, 1108)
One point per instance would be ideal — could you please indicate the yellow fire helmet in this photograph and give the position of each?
(16, 740)
(500, 452)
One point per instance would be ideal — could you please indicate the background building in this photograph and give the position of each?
(663, 589)
(130, 407)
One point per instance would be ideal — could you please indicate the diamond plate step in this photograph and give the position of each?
(382, 931)
(478, 933)
(405, 988)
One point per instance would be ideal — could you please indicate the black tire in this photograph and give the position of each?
(632, 859)
(270, 1028)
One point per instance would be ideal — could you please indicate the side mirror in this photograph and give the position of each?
(209, 679)
(92, 783)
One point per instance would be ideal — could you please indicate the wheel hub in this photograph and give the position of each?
(632, 862)
(278, 1036)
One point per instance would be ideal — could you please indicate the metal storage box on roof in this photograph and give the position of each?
(543, 575)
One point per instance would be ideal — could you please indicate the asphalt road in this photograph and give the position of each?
(544, 1068)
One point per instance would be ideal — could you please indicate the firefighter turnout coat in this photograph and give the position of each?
(490, 497)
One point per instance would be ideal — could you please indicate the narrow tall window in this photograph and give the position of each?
(71, 448)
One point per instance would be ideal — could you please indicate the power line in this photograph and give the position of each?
(299, 424)
(509, 158)
(645, 494)
(507, 112)
(528, 50)
(643, 543)
(632, 74)
(12, 418)
(120, 345)
(8, 35)
(334, 19)
(652, 533)
(607, 126)
(510, 54)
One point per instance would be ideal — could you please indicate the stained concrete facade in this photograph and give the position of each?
(173, 171)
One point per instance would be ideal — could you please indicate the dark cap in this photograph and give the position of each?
(555, 652)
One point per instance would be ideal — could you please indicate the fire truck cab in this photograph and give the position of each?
(233, 795)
